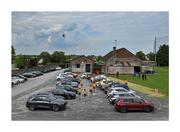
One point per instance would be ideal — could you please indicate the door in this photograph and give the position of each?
(88, 67)
(138, 104)
(42, 102)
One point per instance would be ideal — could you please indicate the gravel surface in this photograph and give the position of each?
(96, 107)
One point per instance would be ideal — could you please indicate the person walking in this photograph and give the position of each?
(94, 87)
(85, 94)
(91, 90)
(142, 76)
(139, 75)
(79, 92)
(125, 82)
(145, 76)
(117, 74)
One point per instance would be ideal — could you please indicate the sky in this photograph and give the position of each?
(88, 33)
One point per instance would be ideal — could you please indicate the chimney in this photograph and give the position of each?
(114, 48)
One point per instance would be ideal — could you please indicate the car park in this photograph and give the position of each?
(45, 102)
(64, 93)
(125, 104)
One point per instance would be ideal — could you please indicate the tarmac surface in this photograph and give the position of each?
(96, 107)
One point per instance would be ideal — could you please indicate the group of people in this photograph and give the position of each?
(86, 92)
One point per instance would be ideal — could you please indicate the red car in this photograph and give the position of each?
(133, 103)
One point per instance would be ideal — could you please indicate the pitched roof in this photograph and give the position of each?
(82, 57)
(121, 53)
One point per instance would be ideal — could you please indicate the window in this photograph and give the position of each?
(128, 100)
(77, 65)
(138, 100)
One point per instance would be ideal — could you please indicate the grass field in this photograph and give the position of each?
(158, 80)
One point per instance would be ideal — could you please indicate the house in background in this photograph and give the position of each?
(121, 61)
(82, 64)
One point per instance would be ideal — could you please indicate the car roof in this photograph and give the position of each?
(129, 97)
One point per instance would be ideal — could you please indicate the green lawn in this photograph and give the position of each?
(158, 80)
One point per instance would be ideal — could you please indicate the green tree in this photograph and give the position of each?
(99, 58)
(151, 56)
(32, 62)
(163, 55)
(141, 55)
(58, 57)
(21, 61)
(13, 53)
(46, 57)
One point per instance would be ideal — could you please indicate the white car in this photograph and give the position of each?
(115, 96)
(58, 78)
(14, 81)
(85, 75)
(119, 90)
(100, 77)
(20, 80)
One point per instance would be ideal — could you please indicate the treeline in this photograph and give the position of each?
(162, 55)
(44, 58)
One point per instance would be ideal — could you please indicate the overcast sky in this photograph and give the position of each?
(87, 32)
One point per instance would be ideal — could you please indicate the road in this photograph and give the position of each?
(96, 107)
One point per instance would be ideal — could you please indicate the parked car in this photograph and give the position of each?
(113, 85)
(69, 82)
(100, 77)
(60, 77)
(64, 93)
(45, 102)
(14, 82)
(49, 93)
(115, 96)
(29, 75)
(67, 87)
(21, 76)
(20, 80)
(125, 104)
(85, 75)
(75, 80)
(119, 90)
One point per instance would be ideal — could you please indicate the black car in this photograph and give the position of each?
(75, 80)
(21, 76)
(29, 75)
(67, 87)
(45, 102)
(69, 82)
(64, 93)
(49, 93)
(39, 73)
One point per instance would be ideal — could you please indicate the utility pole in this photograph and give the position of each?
(114, 52)
(155, 52)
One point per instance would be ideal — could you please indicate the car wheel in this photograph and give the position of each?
(123, 110)
(147, 109)
(56, 108)
(32, 107)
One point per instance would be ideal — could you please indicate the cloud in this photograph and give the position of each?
(49, 39)
(86, 32)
